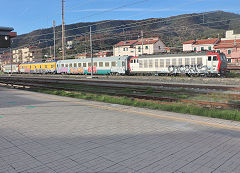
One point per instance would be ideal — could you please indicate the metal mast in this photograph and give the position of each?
(54, 42)
(63, 45)
(91, 51)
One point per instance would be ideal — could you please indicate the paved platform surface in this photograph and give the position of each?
(46, 133)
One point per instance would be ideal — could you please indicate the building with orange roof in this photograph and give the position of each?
(138, 47)
(231, 48)
(200, 45)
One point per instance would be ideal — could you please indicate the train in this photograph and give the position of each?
(209, 63)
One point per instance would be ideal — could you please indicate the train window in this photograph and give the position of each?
(95, 64)
(70, 65)
(131, 60)
(145, 64)
(229, 51)
(192, 61)
(75, 64)
(134, 61)
(89, 64)
(84, 65)
(156, 63)
(161, 62)
(150, 63)
(30, 66)
(79, 65)
(209, 58)
(66, 65)
(113, 64)
(40, 66)
(45, 66)
(106, 64)
(62, 65)
(100, 64)
(146, 47)
(187, 61)
(215, 58)
(180, 61)
(167, 62)
(199, 60)
(51, 66)
(123, 63)
(137, 60)
(174, 62)
(140, 64)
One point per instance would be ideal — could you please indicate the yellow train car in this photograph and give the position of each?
(38, 67)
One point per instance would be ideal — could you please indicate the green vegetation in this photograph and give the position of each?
(186, 109)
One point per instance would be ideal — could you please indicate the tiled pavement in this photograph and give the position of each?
(44, 133)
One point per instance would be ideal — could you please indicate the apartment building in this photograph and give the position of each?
(27, 54)
(138, 47)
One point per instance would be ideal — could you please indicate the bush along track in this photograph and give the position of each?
(232, 114)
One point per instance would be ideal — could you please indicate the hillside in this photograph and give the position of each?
(173, 30)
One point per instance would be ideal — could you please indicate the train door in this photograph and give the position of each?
(134, 64)
(210, 63)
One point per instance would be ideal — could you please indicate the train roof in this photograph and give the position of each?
(38, 62)
(94, 59)
(176, 55)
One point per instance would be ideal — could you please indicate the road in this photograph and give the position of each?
(47, 133)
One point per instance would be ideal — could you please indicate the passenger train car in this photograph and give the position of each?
(209, 64)
(38, 67)
(108, 65)
(11, 68)
(189, 64)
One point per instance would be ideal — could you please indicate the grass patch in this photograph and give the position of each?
(185, 109)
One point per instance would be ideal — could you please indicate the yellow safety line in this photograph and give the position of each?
(210, 124)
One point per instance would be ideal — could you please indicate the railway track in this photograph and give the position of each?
(47, 84)
(101, 82)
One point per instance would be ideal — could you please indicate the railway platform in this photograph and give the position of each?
(47, 133)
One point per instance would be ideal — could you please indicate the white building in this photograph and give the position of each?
(231, 36)
(200, 45)
(139, 47)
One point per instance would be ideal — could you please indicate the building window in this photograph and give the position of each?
(139, 49)
(195, 49)
(159, 47)
(209, 58)
(209, 48)
(229, 51)
(146, 47)
(218, 51)
(202, 48)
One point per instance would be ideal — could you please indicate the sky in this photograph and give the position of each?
(28, 15)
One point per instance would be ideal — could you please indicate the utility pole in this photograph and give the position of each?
(91, 51)
(54, 40)
(11, 58)
(142, 41)
(63, 44)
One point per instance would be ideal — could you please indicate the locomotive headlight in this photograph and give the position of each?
(6, 38)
